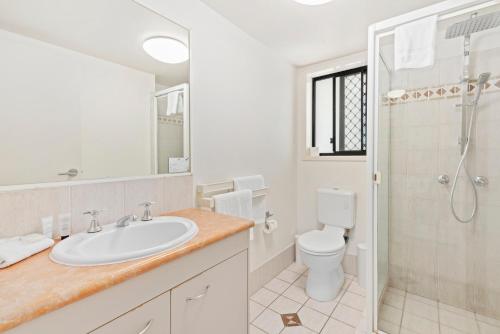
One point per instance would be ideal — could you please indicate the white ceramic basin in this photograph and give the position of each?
(119, 244)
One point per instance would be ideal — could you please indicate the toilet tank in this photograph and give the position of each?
(336, 207)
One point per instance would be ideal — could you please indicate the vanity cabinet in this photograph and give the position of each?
(213, 302)
(152, 317)
(205, 291)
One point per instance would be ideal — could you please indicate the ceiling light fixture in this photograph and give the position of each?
(166, 49)
(312, 2)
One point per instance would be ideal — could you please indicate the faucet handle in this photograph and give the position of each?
(147, 210)
(269, 214)
(94, 222)
(147, 204)
(94, 213)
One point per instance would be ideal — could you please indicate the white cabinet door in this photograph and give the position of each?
(215, 302)
(152, 317)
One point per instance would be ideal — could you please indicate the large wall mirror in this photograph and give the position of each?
(91, 89)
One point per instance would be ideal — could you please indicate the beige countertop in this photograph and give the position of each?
(37, 285)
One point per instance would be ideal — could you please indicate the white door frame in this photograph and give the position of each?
(445, 10)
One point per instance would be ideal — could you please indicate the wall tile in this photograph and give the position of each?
(108, 197)
(139, 191)
(22, 210)
(178, 192)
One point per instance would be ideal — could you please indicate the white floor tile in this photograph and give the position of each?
(269, 321)
(353, 300)
(422, 310)
(323, 307)
(391, 314)
(264, 297)
(419, 325)
(394, 299)
(254, 309)
(312, 319)
(406, 331)
(297, 330)
(388, 327)
(485, 328)
(457, 310)
(288, 276)
(255, 330)
(348, 315)
(298, 268)
(301, 282)
(296, 293)
(448, 330)
(334, 326)
(283, 305)
(488, 320)
(357, 289)
(396, 291)
(277, 285)
(456, 321)
(421, 299)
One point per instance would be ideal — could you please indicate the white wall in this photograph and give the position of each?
(312, 173)
(58, 107)
(242, 114)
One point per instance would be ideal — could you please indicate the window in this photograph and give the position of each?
(339, 113)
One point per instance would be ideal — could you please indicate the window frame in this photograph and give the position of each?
(364, 71)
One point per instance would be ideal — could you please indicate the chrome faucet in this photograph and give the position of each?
(125, 221)
(94, 226)
(147, 211)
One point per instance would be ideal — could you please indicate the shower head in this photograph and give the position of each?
(473, 25)
(483, 77)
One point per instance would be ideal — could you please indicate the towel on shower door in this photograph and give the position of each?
(236, 203)
(414, 44)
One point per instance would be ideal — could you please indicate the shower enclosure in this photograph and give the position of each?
(434, 150)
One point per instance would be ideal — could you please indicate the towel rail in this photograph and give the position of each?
(206, 191)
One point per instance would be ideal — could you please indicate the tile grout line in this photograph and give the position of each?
(402, 312)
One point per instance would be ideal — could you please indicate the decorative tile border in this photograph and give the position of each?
(440, 92)
(178, 120)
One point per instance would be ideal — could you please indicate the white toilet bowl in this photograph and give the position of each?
(322, 252)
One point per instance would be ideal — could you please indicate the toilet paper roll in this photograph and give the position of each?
(271, 225)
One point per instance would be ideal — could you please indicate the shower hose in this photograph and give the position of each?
(461, 165)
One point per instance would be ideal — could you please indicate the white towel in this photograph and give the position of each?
(235, 203)
(172, 102)
(254, 182)
(414, 44)
(13, 250)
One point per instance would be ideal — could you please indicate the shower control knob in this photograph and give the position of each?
(443, 179)
(481, 181)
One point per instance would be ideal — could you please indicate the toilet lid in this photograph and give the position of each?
(322, 242)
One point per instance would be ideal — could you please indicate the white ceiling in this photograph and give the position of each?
(112, 30)
(309, 34)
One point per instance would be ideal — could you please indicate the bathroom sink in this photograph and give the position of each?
(119, 244)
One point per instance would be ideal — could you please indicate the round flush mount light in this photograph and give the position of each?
(312, 2)
(165, 49)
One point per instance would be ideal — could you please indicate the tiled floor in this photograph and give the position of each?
(405, 313)
(285, 294)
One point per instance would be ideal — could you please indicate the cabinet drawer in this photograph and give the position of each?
(214, 302)
(152, 317)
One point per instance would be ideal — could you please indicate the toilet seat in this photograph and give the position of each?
(326, 242)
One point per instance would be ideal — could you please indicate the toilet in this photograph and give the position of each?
(322, 251)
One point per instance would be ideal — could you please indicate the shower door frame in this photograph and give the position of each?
(444, 10)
